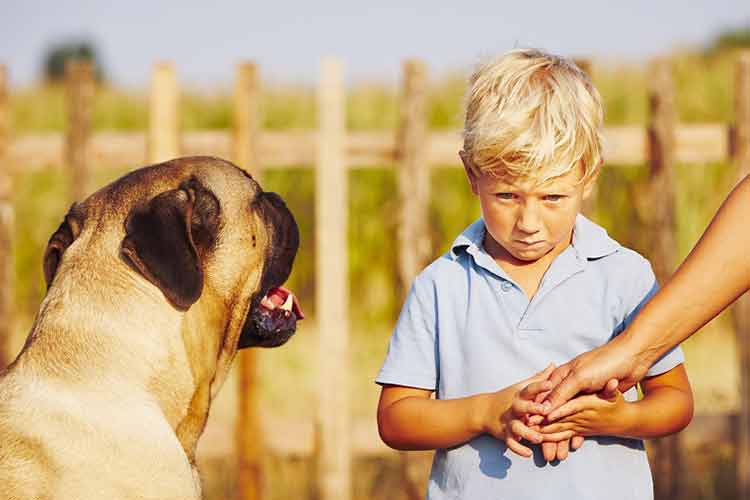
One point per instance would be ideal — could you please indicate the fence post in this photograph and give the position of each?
(79, 75)
(249, 433)
(661, 135)
(334, 460)
(163, 119)
(589, 204)
(741, 153)
(6, 228)
(247, 117)
(413, 177)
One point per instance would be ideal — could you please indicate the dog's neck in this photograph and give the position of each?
(142, 346)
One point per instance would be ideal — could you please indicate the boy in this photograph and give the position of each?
(532, 281)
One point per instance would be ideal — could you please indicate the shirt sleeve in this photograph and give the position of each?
(411, 360)
(645, 287)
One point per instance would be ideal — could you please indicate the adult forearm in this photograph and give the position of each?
(415, 423)
(716, 272)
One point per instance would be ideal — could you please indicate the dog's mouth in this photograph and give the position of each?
(274, 310)
(273, 319)
(277, 312)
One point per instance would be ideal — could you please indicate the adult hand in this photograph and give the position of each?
(606, 367)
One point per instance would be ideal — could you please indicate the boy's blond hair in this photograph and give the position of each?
(532, 115)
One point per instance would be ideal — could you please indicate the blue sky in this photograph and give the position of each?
(207, 39)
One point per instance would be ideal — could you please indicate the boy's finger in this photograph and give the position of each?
(576, 442)
(610, 388)
(534, 420)
(535, 388)
(522, 407)
(517, 447)
(541, 396)
(555, 428)
(518, 429)
(556, 437)
(565, 410)
(562, 449)
(549, 450)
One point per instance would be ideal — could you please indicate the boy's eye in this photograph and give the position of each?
(505, 196)
(554, 197)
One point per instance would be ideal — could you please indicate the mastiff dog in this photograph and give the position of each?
(153, 283)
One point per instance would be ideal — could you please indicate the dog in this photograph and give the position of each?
(153, 284)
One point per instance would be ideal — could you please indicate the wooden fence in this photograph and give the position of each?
(333, 150)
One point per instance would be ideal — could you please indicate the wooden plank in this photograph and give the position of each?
(79, 76)
(6, 228)
(163, 118)
(251, 446)
(624, 145)
(700, 143)
(661, 133)
(331, 291)
(247, 117)
(589, 203)
(741, 152)
(413, 176)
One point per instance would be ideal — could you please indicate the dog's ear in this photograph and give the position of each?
(167, 239)
(60, 240)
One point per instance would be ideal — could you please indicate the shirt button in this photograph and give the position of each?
(506, 286)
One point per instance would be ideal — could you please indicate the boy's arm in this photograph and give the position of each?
(666, 408)
(408, 419)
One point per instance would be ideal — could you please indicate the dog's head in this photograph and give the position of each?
(201, 231)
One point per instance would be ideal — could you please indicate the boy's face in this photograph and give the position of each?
(526, 220)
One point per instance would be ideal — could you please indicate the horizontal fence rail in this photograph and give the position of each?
(695, 143)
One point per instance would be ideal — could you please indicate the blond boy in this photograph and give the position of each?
(531, 283)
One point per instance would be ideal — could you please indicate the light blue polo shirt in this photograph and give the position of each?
(466, 328)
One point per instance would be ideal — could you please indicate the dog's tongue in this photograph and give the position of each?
(283, 298)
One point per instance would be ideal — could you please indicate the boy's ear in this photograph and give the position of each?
(470, 175)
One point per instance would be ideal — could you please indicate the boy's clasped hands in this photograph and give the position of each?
(518, 414)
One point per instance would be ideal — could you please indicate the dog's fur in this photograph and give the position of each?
(152, 282)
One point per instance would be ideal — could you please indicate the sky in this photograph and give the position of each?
(205, 40)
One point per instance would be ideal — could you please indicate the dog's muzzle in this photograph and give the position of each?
(274, 310)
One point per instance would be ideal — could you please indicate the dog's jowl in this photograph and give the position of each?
(153, 283)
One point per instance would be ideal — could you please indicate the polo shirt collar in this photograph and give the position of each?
(589, 240)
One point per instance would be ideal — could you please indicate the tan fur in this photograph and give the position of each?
(111, 392)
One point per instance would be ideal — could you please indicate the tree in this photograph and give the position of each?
(58, 53)
(734, 38)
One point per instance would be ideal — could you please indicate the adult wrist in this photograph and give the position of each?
(640, 351)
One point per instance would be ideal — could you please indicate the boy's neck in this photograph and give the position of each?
(527, 274)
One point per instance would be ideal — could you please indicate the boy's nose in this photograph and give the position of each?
(528, 220)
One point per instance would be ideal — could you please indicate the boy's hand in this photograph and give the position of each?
(603, 413)
(503, 407)
(555, 446)
(515, 418)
